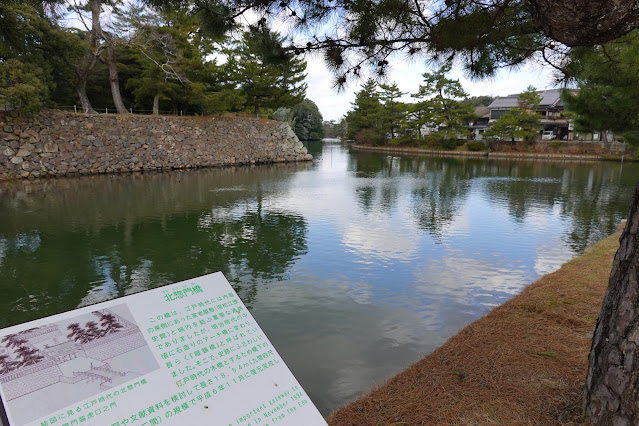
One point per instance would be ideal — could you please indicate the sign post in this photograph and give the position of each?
(186, 353)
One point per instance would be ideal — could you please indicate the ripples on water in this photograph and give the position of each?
(355, 265)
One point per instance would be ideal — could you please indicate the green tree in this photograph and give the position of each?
(101, 46)
(307, 120)
(440, 106)
(521, 122)
(21, 87)
(395, 111)
(159, 55)
(494, 34)
(42, 46)
(477, 101)
(364, 120)
(21, 23)
(266, 75)
(172, 54)
(333, 129)
(608, 83)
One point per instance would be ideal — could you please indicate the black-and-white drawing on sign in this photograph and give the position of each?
(47, 368)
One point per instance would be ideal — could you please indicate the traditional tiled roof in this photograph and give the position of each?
(503, 102)
(549, 98)
(481, 111)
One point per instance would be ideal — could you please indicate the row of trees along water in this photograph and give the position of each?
(441, 106)
(147, 60)
(442, 111)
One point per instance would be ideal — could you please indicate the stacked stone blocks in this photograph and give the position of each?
(30, 379)
(61, 144)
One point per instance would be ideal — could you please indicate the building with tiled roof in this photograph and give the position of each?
(554, 124)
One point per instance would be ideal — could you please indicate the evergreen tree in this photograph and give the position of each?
(172, 53)
(395, 111)
(307, 120)
(101, 46)
(608, 82)
(267, 75)
(364, 120)
(333, 129)
(43, 49)
(522, 122)
(21, 87)
(24, 25)
(483, 36)
(440, 106)
(477, 101)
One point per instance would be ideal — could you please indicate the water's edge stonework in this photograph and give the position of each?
(61, 144)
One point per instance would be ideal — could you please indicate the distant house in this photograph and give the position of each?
(480, 124)
(554, 124)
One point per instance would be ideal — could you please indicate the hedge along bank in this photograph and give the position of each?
(59, 144)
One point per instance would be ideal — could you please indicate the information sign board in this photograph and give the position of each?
(188, 353)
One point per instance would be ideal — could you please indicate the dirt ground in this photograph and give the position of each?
(522, 364)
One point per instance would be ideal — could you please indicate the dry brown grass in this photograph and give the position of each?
(523, 363)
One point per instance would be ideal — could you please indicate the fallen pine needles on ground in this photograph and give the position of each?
(523, 363)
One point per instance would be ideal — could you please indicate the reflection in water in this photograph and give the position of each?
(98, 238)
(354, 265)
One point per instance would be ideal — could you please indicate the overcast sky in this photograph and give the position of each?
(408, 76)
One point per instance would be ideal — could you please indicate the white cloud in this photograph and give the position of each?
(376, 245)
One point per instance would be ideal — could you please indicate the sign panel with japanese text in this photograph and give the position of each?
(186, 353)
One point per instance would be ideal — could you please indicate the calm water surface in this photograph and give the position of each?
(355, 265)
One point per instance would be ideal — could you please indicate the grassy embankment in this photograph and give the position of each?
(523, 363)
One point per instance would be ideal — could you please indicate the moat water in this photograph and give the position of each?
(355, 265)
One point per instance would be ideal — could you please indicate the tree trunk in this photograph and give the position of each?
(585, 22)
(612, 384)
(81, 88)
(98, 33)
(83, 69)
(114, 80)
(156, 104)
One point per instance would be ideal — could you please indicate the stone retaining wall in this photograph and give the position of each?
(58, 143)
(30, 379)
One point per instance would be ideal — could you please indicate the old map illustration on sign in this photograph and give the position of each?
(71, 360)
